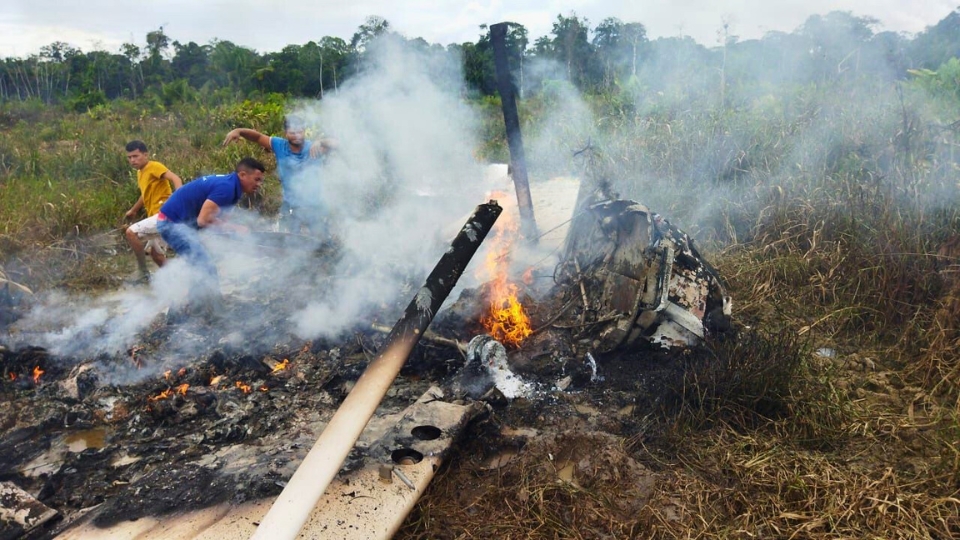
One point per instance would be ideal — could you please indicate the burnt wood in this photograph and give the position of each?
(511, 119)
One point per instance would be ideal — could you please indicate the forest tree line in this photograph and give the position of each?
(610, 56)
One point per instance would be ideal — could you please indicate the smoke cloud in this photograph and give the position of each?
(399, 185)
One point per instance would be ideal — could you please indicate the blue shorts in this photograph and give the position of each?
(186, 242)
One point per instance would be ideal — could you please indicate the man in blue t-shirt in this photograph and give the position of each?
(198, 205)
(298, 166)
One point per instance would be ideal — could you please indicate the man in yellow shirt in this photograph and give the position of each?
(154, 181)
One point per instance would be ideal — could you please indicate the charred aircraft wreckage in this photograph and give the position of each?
(277, 444)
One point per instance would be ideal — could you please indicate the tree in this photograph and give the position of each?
(893, 48)
(836, 41)
(478, 69)
(135, 74)
(334, 55)
(157, 68)
(282, 73)
(107, 73)
(938, 43)
(157, 43)
(233, 65)
(606, 40)
(571, 47)
(634, 37)
(372, 28)
(191, 62)
(619, 46)
(516, 43)
(52, 69)
(58, 51)
(477, 58)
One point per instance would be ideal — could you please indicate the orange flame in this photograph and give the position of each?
(166, 374)
(506, 319)
(181, 372)
(216, 380)
(507, 322)
(13, 376)
(37, 372)
(162, 395)
(281, 366)
(264, 388)
(245, 388)
(528, 276)
(182, 389)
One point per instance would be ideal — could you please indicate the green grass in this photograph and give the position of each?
(65, 173)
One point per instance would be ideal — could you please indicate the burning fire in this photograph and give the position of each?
(166, 374)
(216, 380)
(13, 376)
(37, 372)
(182, 389)
(507, 322)
(528, 276)
(506, 319)
(162, 395)
(245, 388)
(281, 366)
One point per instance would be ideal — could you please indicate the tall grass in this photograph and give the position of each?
(66, 173)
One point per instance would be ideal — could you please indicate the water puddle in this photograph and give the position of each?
(565, 471)
(78, 441)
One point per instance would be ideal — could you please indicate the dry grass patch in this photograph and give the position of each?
(730, 485)
(572, 484)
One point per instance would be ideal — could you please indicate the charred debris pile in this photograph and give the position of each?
(624, 311)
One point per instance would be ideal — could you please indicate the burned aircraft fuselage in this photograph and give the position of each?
(653, 284)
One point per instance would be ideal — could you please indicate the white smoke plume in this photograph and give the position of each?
(401, 179)
(399, 185)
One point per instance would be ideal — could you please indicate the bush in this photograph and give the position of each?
(86, 101)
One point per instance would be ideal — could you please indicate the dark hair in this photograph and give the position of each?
(250, 164)
(137, 145)
(292, 121)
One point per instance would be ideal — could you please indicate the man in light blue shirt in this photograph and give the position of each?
(298, 166)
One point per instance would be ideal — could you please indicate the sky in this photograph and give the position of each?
(269, 25)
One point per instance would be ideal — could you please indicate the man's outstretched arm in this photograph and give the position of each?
(322, 147)
(251, 135)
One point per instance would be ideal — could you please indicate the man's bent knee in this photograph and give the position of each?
(158, 257)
